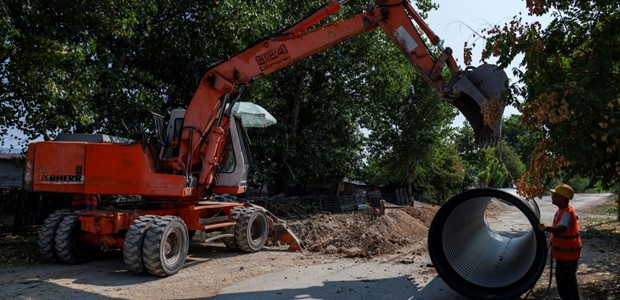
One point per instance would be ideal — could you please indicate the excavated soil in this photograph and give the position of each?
(357, 235)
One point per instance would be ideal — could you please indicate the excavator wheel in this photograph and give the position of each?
(134, 239)
(252, 230)
(165, 246)
(230, 242)
(69, 249)
(47, 234)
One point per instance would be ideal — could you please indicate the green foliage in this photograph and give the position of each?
(408, 127)
(443, 176)
(580, 184)
(518, 137)
(89, 66)
(496, 166)
(92, 66)
(317, 139)
(571, 86)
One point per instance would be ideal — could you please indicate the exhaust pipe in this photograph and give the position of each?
(483, 259)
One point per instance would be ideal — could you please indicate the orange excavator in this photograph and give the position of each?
(203, 151)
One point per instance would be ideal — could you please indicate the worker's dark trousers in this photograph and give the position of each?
(566, 279)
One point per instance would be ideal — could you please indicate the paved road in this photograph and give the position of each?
(389, 278)
(580, 201)
(343, 280)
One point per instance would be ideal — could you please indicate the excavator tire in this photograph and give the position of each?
(165, 246)
(230, 242)
(252, 230)
(47, 234)
(68, 248)
(134, 239)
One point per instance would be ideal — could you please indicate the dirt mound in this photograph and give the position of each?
(356, 235)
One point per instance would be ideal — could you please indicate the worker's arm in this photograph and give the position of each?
(555, 230)
(562, 225)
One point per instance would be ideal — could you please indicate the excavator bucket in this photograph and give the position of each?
(479, 94)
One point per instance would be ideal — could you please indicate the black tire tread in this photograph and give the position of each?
(152, 254)
(66, 249)
(230, 242)
(132, 247)
(47, 233)
(243, 236)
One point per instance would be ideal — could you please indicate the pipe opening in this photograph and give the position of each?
(484, 244)
(505, 219)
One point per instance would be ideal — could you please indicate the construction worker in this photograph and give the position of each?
(565, 242)
(375, 214)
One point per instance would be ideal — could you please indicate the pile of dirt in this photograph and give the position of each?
(356, 235)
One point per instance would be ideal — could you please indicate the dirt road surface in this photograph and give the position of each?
(350, 257)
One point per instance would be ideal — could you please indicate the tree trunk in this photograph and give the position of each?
(409, 170)
(294, 101)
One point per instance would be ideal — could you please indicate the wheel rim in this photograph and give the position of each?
(257, 230)
(165, 246)
(172, 247)
(251, 231)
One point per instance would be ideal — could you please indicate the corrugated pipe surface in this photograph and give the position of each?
(478, 261)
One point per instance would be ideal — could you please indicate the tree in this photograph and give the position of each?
(406, 121)
(318, 139)
(518, 137)
(497, 166)
(442, 176)
(320, 101)
(571, 88)
(91, 66)
(112, 61)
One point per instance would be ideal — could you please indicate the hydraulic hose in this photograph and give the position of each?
(478, 261)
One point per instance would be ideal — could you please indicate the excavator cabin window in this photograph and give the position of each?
(228, 160)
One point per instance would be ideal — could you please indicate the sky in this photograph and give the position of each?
(452, 23)
(453, 20)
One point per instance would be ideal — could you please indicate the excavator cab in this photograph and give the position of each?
(480, 95)
(236, 159)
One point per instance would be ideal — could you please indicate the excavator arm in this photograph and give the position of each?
(476, 93)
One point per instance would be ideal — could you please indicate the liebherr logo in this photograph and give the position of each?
(59, 178)
(64, 178)
(272, 57)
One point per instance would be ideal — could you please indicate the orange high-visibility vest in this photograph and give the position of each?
(567, 245)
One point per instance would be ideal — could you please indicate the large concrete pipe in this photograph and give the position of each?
(481, 260)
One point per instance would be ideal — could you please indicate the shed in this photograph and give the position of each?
(11, 172)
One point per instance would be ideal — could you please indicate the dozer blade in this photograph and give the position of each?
(280, 231)
(479, 95)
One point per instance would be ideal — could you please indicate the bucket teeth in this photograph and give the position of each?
(479, 95)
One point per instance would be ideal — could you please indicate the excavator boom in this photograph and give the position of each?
(476, 93)
(193, 167)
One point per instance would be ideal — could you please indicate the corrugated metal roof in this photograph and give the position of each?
(10, 155)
